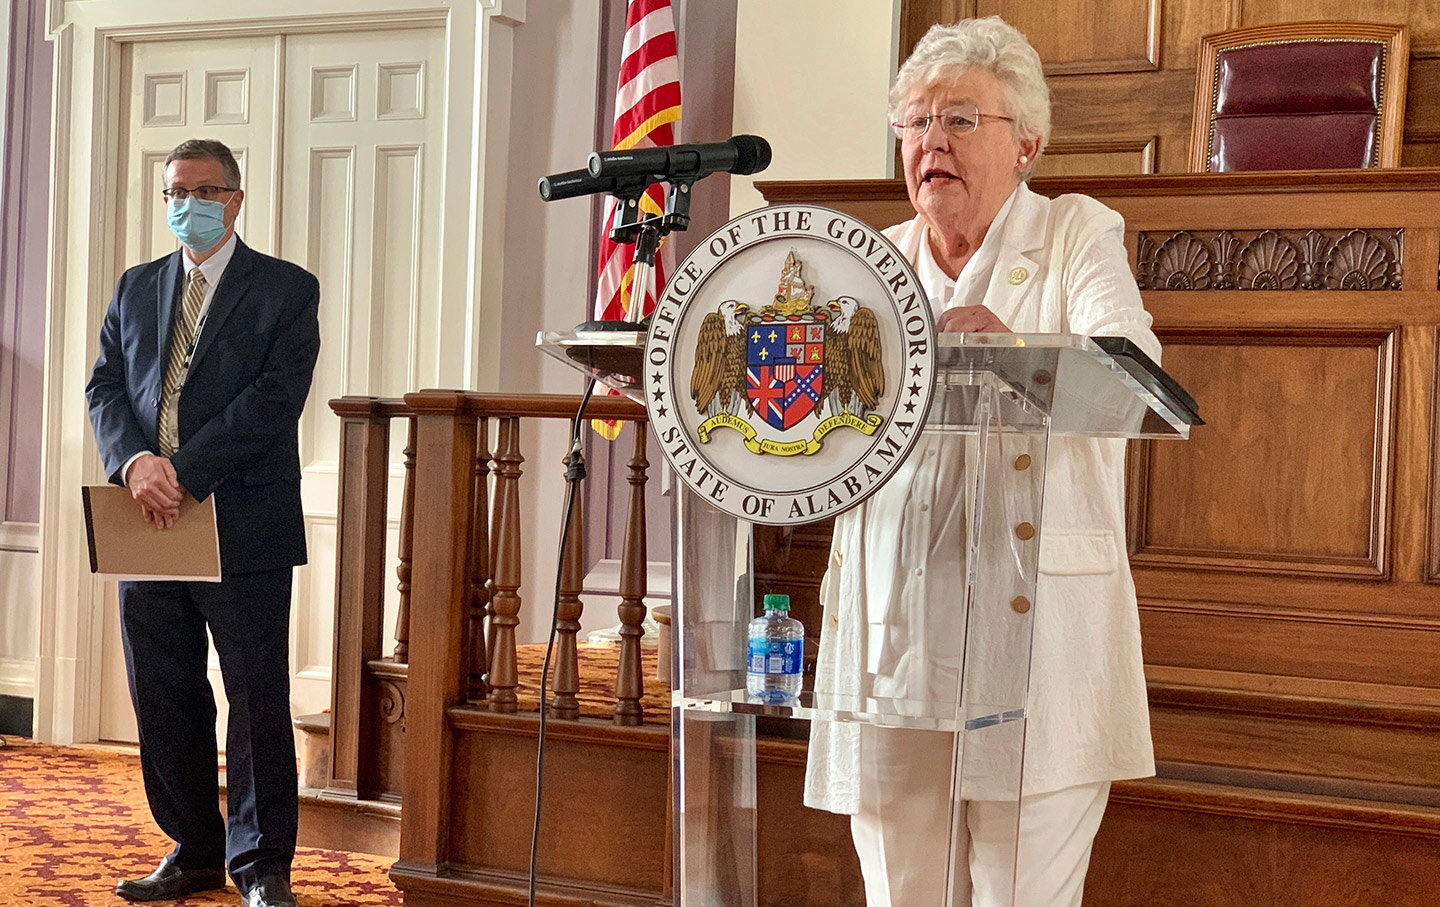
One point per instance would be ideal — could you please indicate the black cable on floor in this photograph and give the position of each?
(574, 475)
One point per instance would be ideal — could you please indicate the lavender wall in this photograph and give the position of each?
(24, 226)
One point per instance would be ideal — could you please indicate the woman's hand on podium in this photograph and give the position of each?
(971, 319)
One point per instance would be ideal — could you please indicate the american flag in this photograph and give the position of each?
(647, 105)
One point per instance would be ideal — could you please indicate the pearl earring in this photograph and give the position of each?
(1023, 158)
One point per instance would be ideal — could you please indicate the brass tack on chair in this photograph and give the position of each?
(1022, 462)
(1020, 604)
(1025, 532)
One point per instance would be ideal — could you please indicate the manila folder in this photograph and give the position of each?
(123, 545)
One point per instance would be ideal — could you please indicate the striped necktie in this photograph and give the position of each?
(179, 345)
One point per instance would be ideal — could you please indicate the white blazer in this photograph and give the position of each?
(1061, 268)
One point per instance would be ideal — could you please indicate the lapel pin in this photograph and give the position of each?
(1018, 275)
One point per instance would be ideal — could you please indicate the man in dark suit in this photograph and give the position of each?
(206, 357)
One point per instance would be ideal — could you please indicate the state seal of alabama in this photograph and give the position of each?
(788, 362)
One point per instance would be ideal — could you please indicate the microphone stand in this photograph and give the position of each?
(645, 233)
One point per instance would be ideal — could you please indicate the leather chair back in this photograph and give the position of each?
(1300, 96)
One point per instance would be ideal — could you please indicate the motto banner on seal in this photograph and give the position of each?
(790, 365)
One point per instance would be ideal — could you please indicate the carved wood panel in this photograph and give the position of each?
(1270, 260)
(1261, 486)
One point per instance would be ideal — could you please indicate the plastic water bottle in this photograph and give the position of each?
(777, 649)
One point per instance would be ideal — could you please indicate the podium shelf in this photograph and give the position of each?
(613, 358)
(876, 710)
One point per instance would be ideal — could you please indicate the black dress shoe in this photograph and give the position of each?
(271, 891)
(170, 882)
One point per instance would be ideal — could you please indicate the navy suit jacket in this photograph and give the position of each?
(239, 410)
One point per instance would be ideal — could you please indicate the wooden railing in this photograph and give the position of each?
(459, 573)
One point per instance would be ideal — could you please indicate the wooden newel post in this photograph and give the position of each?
(359, 596)
(407, 548)
(569, 609)
(630, 683)
(505, 560)
(444, 470)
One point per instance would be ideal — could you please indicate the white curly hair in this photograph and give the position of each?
(990, 44)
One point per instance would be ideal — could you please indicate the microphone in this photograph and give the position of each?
(572, 183)
(742, 154)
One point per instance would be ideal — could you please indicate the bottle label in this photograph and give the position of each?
(775, 656)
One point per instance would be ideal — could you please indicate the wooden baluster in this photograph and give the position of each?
(506, 564)
(477, 649)
(630, 682)
(568, 611)
(407, 550)
(359, 597)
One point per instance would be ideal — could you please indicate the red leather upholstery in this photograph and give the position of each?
(1297, 106)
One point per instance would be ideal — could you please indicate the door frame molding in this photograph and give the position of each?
(85, 261)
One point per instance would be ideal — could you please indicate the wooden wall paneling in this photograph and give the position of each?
(1355, 647)
(1421, 149)
(916, 17)
(1170, 844)
(1414, 446)
(1269, 12)
(804, 856)
(1374, 690)
(1075, 36)
(1115, 157)
(596, 777)
(1316, 596)
(1374, 753)
(792, 560)
(1422, 110)
(1432, 495)
(1097, 108)
(1284, 501)
(1423, 17)
(1185, 22)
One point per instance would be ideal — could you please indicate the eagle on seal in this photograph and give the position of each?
(854, 373)
(717, 383)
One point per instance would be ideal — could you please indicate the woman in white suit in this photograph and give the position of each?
(972, 112)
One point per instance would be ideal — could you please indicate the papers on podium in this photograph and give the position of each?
(124, 546)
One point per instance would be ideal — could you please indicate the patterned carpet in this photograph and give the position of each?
(598, 663)
(73, 820)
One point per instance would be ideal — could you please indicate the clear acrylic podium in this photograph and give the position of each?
(941, 654)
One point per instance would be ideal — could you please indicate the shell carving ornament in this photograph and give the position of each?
(1347, 259)
(1183, 263)
(1269, 262)
(1359, 262)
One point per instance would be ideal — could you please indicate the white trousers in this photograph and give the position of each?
(902, 832)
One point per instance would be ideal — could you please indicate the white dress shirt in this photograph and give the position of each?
(212, 269)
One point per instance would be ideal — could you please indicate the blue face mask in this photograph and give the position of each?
(199, 224)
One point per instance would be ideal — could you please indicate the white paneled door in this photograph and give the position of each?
(339, 137)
